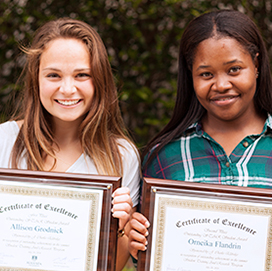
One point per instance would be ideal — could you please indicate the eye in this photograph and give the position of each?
(83, 75)
(52, 75)
(206, 75)
(235, 69)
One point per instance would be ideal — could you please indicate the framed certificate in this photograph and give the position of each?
(56, 221)
(196, 226)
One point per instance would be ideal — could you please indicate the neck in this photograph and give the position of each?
(230, 134)
(66, 134)
(69, 147)
(250, 124)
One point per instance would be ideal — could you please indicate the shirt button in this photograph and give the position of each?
(227, 164)
(245, 144)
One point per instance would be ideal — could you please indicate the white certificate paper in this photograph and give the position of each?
(49, 227)
(197, 233)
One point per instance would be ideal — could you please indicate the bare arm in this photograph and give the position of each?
(122, 209)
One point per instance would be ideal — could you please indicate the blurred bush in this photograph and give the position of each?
(142, 39)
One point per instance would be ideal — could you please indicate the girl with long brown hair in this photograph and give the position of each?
(70, 119)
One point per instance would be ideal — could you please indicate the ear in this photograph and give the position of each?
(256, 62)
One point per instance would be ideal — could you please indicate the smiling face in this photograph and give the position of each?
(224, 78)
(65, 83)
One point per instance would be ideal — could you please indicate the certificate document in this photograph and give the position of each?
(49, 227)
(198, 233)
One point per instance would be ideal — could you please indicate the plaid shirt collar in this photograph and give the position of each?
(197, 127)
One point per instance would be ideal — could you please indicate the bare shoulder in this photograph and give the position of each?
(20, 123)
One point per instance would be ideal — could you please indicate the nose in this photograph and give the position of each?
(222, 83)
(67, 87)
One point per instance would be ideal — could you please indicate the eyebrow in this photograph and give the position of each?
(76, 70)
(225, 63)
(203, 67)
(232, 61)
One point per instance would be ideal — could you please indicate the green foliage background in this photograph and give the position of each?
(142, 39)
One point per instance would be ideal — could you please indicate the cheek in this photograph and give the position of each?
(89, 90)
(201, 89)
(46, 88)
(46, 91)
(43, 98)
(249, 86)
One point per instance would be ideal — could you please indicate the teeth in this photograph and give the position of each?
(225, 99)
(68, 102)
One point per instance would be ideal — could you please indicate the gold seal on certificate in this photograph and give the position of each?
(55, 221)
(206, 227)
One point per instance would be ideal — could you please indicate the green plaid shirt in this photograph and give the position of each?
(196, 157)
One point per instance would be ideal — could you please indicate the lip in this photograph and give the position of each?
(224, 100)
(68, 102)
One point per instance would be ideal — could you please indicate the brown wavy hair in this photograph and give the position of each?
(102, 126)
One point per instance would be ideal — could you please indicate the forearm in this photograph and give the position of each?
(122, 252)
(122, 248)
